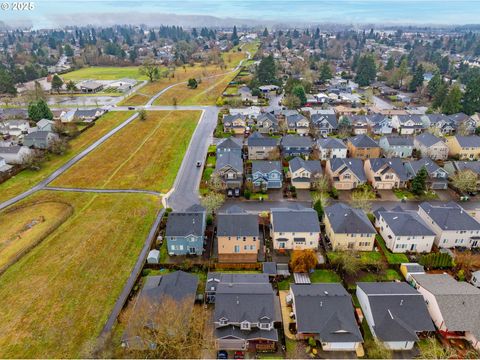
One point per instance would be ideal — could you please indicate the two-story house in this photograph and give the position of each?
(185, 231)
(348, 228)
(454, 167)
(15, 154)
(263, 147)
(294, 229)
(230, 145)
(345, 174)
(324, 124)
(303, 173)
(294, 145)
(380, 124)
(363, 147)
(40, 139)
(404, 231)
(267, 123)
(297, 123)
(437, 177)
(229, 167)
(465, 147)
(237, 236)
(331, 148)
(236, 124)
(452, 225)
(407, 124)
(428, 145)
(267, 174)
(396, 146)
(386, 174)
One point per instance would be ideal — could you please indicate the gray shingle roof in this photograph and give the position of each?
(429, 165)
(184, 223)
(363, 141)
(347, 220)
(257, 139)
(38, 135)
(427, 139)
(354, 164)
(331, 143)
(406, 223)
(450, 216)
(287, 220)
(468, 165)
(296, 141)
(468, 141)
(230, 143)
(238, 224)
(399, 140)
(10, 149)
(395, 164)
(327, 310)
(330, 118)
(398, 310)
(232, 159)
(265, 166)
(314, 166)
(215, 278)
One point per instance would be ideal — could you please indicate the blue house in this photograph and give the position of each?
(294, 145)
(267, 174)
(185, 231)
(396, 146)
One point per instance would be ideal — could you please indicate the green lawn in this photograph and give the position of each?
(366, 257)
(258, 196)
(404, 193)
(389, 275)
(324, 276)
(104, 73)
(391, 257)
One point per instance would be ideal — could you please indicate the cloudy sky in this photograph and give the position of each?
(52, 13)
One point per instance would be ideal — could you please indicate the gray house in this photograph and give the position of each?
(262, 147)
(293, 145)
(267, 123)
(396, 146)
(267, 174)
(297, 123)
(324, 124)
(40, 139)
(185, 231)
(437, 177)
(229, 167)
(15, 154)
(230, 145)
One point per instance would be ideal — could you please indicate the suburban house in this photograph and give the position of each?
(4, 167)
(16, 128)
(348, 228)
(407, 124)
(246, 314)
(297, 123)
(380, 124)
(40, 139)
(15, 155)
(214, 278)
(385, 173)
(229, 167)
(88, 115)
(303, 173)
(185, 231)
(444, 123)
(396, 146)
(294, 229)
(359, 124)
(453, 305)
(428, 145)
(236, 124)
(294, 145)
(90, 86)
(437, 177)
(267, 174)
(267, 123)
(331, 148)
(325, 312)
(404, 231)
(452, 225)
(262, 147)
(345, 174)
(395, 312)
(363, 147)
(324, 124)
(45, 125)
(465, 147)
(178, 286)
(238, 236)
(230, 145)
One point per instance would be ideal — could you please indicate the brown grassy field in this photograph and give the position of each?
(144, 155)
(32, 224)
(28, 178)
(56, 298)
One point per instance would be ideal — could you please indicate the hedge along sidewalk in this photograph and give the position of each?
(393, 259)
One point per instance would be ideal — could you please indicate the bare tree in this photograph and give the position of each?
(58, 146)
(465, 181)
(216, 183)
(213, 201)
(361, 198)
(321, 184)
(150, 70)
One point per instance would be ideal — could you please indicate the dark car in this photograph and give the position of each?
(199, 164)
(237, 192)
(131, 108)
(222, 354)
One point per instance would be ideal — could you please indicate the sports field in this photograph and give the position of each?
(104, 73)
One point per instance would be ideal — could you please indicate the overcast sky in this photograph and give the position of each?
(54, 13)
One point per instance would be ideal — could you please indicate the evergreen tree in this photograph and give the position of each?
(325, 72)
(266, 71)
(453, 101)
(39, 110)
(366, 70)
(299, 91)
(418, 182)
(417, 79)
(440, 96)
(289, 44)
(471, 98)
(57, 83)
(234, 37)
(434, 84)
(265, 32)
(390, 64)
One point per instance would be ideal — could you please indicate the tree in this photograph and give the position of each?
(142, 115)
(7, 83)
(347, 262)
(291, 101)
(377, 350)
(234, 37)
(58, 146)
(417, 79)
(303, 261)
(71, 86)
(465, 181)
(325, 72)
(150, 70)
(401, 73)
(362, 196)
(265, 32)
(471, 98)
(434, 84)
(266, 71)
(57, 83)
(418, 182)
(452, 103)
(216, 183)
(192, 83)
(440, 96)
(38, 110)
(299, 92)
(321, 184)
(366, 70)
(434, 350)
(169, 329)
(212, 201)
(390, 64)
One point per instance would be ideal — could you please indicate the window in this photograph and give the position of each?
(236, 249)
(265, 326)
(245, 325)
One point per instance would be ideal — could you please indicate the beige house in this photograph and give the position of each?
(303, 173)
(237, 236)
(236, 124)
(348, 228)
(431, 146)
(465, 147)
(386, 173)
(294, 229)
(263, 147)
(345, 174)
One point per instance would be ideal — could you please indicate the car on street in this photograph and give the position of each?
(199, 164)
(237, 192)
(222, 354)
(131, 108)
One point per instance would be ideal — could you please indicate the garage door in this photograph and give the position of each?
(439, 186)
(342, 346)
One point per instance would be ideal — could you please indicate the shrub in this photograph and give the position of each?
(312, 342)
(436, 260)
(209, 219)
(247, 193)
(334, 193)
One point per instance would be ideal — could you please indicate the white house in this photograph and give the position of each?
(15, 154)
(452, 225)
(395, 313)
(404, 231)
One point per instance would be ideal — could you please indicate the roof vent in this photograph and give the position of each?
(395, 217)
(401, 302)
(321, 303)
(326, 292)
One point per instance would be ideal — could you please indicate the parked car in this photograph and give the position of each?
(239, 355)
(131, 108)
(229, 192)
(222, 354)
(199, 164)
(237, 192)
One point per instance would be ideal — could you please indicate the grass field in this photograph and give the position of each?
(323, 276)
(32, 224)
(104, 73)
(56, 298)
(144, 155)
(28, 178)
